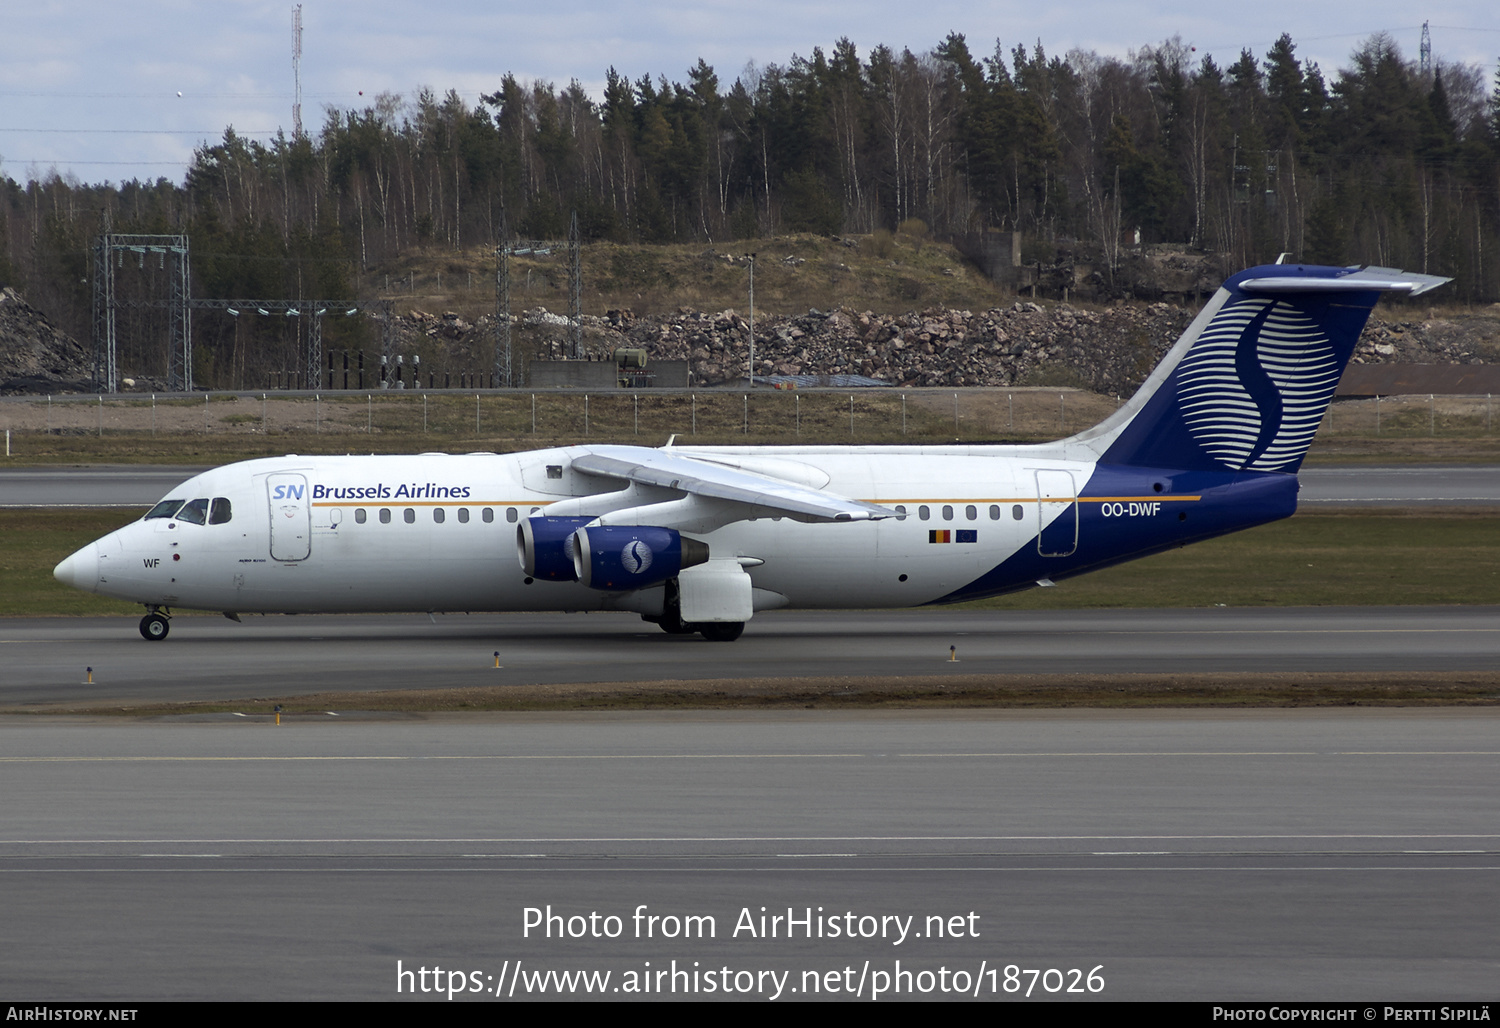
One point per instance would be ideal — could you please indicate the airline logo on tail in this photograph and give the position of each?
(1247, 385)
(1253, 389)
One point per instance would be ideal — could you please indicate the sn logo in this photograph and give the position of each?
(151, 562)
(635, 557)
(287, 492)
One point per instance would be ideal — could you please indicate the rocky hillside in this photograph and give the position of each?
(1108, 350)
(34, 356)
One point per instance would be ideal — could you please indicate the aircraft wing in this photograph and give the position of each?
(760, 494)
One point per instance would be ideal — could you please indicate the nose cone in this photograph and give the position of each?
(81, 570)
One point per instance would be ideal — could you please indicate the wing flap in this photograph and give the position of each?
(758, 493)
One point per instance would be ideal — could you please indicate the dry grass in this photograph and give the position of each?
(792, 273)
(227, 427)
(960, 691)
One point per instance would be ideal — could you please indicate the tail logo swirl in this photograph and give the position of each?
(1253, 388)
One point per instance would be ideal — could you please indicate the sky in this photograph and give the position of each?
(104, 91)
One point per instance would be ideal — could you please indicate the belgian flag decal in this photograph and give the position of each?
(947, 535)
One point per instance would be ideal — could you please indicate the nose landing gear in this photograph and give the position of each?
(155, 625)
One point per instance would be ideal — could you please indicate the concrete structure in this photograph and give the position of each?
(605, 374)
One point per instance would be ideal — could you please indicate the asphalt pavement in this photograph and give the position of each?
(1216, 856)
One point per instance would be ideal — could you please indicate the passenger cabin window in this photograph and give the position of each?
(489, 515)
(463, 515)
(385, 515)
(359, 515)
(164, 509)
(900, 512)
(220, 512)
(409, 516)
(1016, 512)
(438, 515)
(947, 512)
(994, 512)
(924, 512)
(510, 515)
(971, 512)
(194, 512)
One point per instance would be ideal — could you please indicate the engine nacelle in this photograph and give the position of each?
(622, 557)
(545, 547)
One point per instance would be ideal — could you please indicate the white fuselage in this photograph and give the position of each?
(438, 532)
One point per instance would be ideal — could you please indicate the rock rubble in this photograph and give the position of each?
(35, 357)
(1106, 349)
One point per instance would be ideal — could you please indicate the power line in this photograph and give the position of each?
(64, 160)
(147, 132)
(282, 95)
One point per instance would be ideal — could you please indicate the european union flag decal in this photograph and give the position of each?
(968, 535)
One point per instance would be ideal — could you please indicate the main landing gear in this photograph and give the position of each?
(671, 621)
(721, 631)
(155, 626)
(713, 631)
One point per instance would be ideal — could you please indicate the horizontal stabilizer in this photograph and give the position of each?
(1386, 280)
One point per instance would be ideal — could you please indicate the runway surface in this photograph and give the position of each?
(1403, 485)
(210, 658)
(91, 486)
(1459, 485)
(1216, 856)
(1243, 855)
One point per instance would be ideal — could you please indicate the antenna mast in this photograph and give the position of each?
(296, 69)
(1424, 54)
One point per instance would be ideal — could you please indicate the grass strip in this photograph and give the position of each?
(958, 691)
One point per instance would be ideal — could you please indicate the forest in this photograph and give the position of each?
(1381, 162)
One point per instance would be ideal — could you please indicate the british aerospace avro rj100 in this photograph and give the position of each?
(698, 539)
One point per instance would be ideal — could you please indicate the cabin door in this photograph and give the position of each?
(1057, 514)
(291, 516)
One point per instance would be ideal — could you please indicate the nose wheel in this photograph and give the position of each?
(154, 627)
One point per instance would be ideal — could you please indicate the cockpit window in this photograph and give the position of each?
(194, 512)
(164, 509)
(219, 513)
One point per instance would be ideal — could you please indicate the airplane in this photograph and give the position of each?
(699, 539)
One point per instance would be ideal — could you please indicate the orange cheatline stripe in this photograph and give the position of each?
(1139, 499)
(1051, 499)
(388, 502)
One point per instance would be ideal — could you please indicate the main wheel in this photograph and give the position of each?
(722, 631)
(154, 627)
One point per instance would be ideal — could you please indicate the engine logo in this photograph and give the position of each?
(635, 557)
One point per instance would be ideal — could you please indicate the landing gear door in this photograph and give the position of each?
(291, 516)
(1057, 513)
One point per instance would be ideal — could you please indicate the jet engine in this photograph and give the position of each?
(545, 547)
(621, 557)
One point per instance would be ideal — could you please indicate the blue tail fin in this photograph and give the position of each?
(1247, 385)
